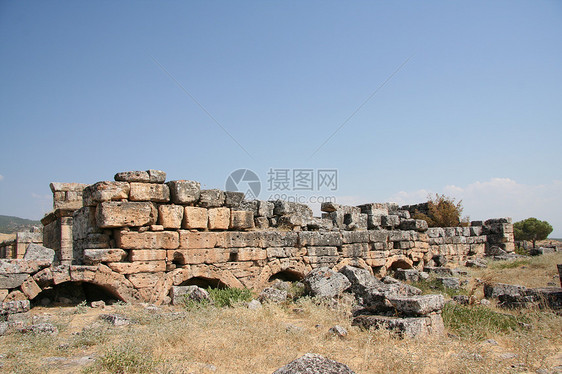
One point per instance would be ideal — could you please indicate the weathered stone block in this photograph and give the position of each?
(195, 218)
(355, 237)
(149, 192)
(147, 240)
(239, 239)
(144, 280)
(147, 255)
(30, 288)
(138, 267)
(324, 282)
(241, 220)
(105, 191)
(322, 251)
(374, 209)
(95, 256)
(219, 218)
(312, 238)
(211, 198)
(314, 363)
(83, 273)
(12, 280)
(278, 239)
(414, 224)
(390, 221)
(132, 176)
(36, 252)
(156, 176)
(355, 250)
(261, 223)
(181, 294)
(184, 192)
(417, 305)
(265, 208)
(170, 216)
(233, 199)
(190, 239)
(67, 196)
(118, 214)
(12, 307)
(416, 327)
(248, 254)
(199, 256)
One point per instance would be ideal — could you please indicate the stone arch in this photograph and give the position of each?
(74, 293)
(204, 282)
(400, 262)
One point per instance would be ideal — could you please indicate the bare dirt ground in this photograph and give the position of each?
(236, 339)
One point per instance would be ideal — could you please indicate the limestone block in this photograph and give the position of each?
(144, 280)
(147, 239)
(417, 305)
(156, 176)
(265, 208)
(241, 220)
(14, 306)
(290, 208)
(182, 294)
(249, 205)
(414, 327)
(355, 250)
(322, 251)
(147, 255)
(261, 223)
(390, 221)
(317, 238)
(314, 363)
(36, 252)
(233, 199)
(238, 239)
(3, 294)
(138, 267)
(105, 191)
(61, 274)
(374, 222)
(249, 254)
(324, 282)
(184, 192)
(374, 209)
(44, 277)
(118, 214)
(355, 237)
(211, 198)
(8, 281)
(30, 288)
(82, 273)
(282, 252)
(195, 218)
(379, 236)
(199, 256)
(219, 218)
(190, 239)
(279, 239)
(132, 176)
(149, 192)
(96, 255)
(67, 196)
(414, 224)
(170, 216)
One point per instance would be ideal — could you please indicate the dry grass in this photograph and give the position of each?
(536, 271)
(239, 340)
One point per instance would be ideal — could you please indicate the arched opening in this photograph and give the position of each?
(286, 276)
(74, 293)
(204, 282)
(400, 264)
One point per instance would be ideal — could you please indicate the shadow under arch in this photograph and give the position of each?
(74, 293)
(400, 264)
(205, 282)
(287, 276)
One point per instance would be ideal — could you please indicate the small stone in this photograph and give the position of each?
(338, 331)
(313, 363)
(491, 342)
(115, 319)
(98, 304)
(485, 302)
(254, 305)
(272, 295)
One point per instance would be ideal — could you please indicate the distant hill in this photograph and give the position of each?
(9, 224)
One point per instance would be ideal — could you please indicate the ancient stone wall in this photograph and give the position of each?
(138, 236)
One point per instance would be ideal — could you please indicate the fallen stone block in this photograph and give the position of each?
(449, 282)
(112, 214)
(184, 192)
(414, 327)
(30, 288)
(9, 281)
(324, 282)
(12, 307)
(182, 294)
(410, 275)
(94, 256)
(272, 295)
(492, 291)
(417, 305)
(156, 176)
(314, 363)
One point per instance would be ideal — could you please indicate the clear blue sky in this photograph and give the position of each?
(475, 112)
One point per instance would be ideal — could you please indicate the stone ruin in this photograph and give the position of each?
(138, 236)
